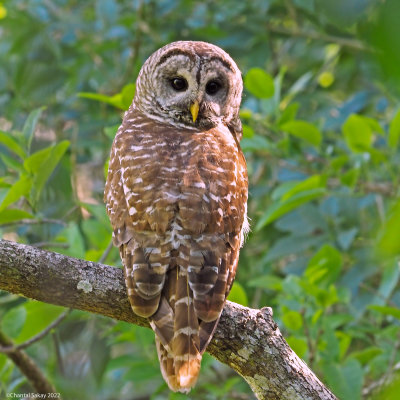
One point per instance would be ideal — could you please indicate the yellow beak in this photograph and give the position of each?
(194, 110)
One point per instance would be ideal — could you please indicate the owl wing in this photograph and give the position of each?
(132, 187)
(224, 200)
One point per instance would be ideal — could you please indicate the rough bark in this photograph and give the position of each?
(246, 339)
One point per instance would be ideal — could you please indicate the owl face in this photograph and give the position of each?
(194, 84)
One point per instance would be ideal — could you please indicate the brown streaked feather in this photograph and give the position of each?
(176, 201)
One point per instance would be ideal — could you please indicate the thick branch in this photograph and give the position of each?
(247, 340)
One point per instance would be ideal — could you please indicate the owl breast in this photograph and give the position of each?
(182, 177)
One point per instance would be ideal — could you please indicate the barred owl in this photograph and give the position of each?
(176, 195)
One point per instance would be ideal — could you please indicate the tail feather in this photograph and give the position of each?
(177, 334)
(186, 312)
(206, 333)
(186, 342)
(167, 366)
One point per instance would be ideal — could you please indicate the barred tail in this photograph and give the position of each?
(177, 334)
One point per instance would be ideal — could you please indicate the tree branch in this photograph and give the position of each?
(27, 221)
(246, 339)
(11, 348)
(313, 35)
(28, 367)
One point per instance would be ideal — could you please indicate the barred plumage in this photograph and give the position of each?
(176, 196)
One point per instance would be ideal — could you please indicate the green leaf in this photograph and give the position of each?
(324, 297)
(366, 355)
(337, 163)
(334, 321)
(238, 294)
(97, 234)
(20, 188)
(143, 370)
(313, 182)
(374, 125)
(248, 131)
(73, 237)
(127, 93)
(386, 310)
(113, 100)
(255, 143)
(111, 131)
(303, 130)
(38, 316)
(390, 391)
(394, 131)
(12, 163)
(92, 254)
(119, 362)
(99, 356)
(289, 114)
(245, 114)
(292, 320)
(344, 343)
(350, 177)
(42, 163)
(389, 280)
(325, 266)
(316, 316)
(291, 195)
(13, 321)
(301, 84)
(283, 188)
(388, 244)
(271, 282)
(259, 83)
(299, 345)
(358, 133)
(99, 212)
(30, 125)
(276, 210)
(345, 380)
(345, 238)
(120, 100)
(10, 214)
(11, 144)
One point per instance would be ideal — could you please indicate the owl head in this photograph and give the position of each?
(191, 84)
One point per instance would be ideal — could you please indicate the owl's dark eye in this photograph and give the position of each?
(179, 84)
(212, 87)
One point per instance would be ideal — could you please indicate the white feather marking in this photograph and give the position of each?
(184, 300)
(137, 148)
(132, 211)
(186, 357)
(215, 198)
(200, 185)
(187, 330)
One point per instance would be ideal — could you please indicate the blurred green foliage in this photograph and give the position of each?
(321, 136)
